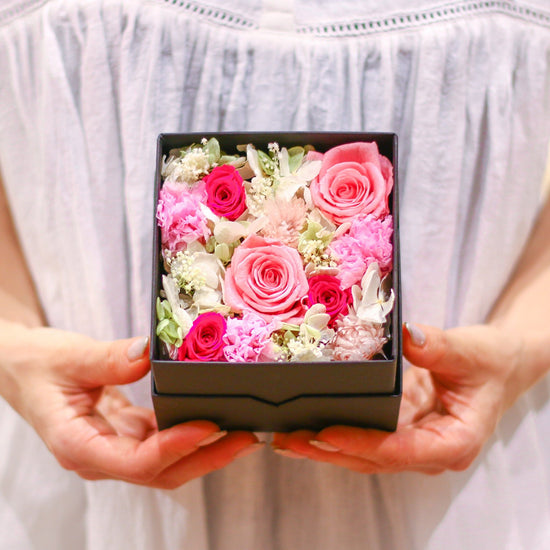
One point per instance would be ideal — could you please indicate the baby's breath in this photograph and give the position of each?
(258, 191)
(187, 277)
(188, 168)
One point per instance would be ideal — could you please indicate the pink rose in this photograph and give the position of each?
(326, 290)
(204, 341)
(225, 190)
(180, 217)
(354, 180)
(267, 278)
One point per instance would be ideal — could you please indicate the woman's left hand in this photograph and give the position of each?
(462, 382)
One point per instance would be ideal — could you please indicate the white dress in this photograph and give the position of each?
(85, 87)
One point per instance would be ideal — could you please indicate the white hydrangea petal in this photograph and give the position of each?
(208, 214)
(180, 315)
(309, 170)
(387, 305)
(210, 267)
(287, 188)
(253, 160)
(229, 232)
(373, 313)
(284, 165)
(370, 284)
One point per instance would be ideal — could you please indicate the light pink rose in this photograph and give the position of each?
(267, 278)
(354, 180)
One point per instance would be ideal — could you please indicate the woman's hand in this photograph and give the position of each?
(463, 381)
(62, 384)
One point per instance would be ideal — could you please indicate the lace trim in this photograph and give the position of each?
(432, 15)
(221, 16)
(17, 9)
(358, 27)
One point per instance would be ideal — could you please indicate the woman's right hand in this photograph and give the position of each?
(62, 383)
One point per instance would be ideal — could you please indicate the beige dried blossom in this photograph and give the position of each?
(285, 220)
(357, 340)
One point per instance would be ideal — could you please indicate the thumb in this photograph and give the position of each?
(117, 362)
(440, 351)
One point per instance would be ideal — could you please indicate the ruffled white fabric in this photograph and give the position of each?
(85, 87)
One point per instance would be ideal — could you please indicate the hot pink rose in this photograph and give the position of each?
(267, 278)
(326, 290)
(354, 180)
(204, 341)
(225, 190)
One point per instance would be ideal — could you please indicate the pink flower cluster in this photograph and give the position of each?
(368, 240)
(180, 217)
(276, 272)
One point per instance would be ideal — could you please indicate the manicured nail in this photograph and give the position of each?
(324, 446)
(418, 338)
(287, 453)
(250, 449)
(212, 438)
(137, 348)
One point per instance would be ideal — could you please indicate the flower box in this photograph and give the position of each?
(278, 395)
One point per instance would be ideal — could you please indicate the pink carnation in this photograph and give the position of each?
(180, 216)
(249, 339)
(368, 240)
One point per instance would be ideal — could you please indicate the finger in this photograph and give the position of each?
(440, 351)
(299, 443)
(419, 397)
(234, 446)
(113, 363)
(436, 441)
(86, 447)
(126, 419)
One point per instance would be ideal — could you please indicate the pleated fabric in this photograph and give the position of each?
(86, 86)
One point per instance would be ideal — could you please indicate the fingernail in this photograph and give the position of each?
(324, 446)
(212, 438)
(287, 453)
(249, 450)
(418, 338)
(137, 348)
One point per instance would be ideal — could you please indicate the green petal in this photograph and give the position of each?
(295, 157)
(212, 149)
(266, 163)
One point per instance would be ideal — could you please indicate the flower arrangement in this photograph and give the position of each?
(277, 255)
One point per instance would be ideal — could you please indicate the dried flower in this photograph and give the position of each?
(356, 340)
(285, 220)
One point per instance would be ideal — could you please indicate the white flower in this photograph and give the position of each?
(310, 344)
(200, 275)
(179, 313)
(188, 168)
(370, 302)
(290, 183)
